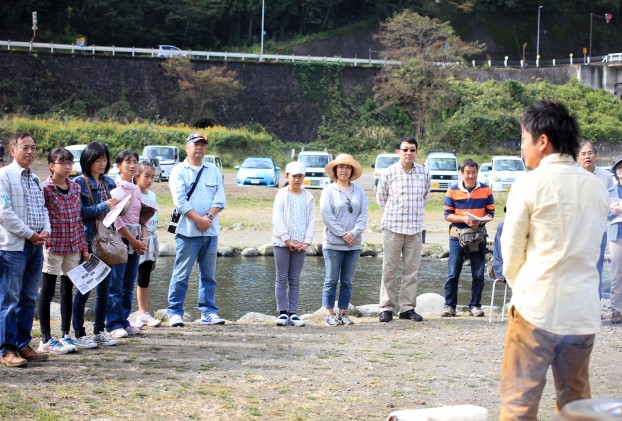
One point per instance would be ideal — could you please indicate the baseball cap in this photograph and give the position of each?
(196, 137)
(295, 168)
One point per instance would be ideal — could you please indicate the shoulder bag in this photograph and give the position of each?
(108, 245)
(472, 239)
(175, 215)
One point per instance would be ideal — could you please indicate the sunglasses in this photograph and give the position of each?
(349, 204)
(412, 150)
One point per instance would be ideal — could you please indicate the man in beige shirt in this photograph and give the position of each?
(550, 254)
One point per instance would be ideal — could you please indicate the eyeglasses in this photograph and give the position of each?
(349, 204)
(589, 153)
(64, 163)
(411, 150)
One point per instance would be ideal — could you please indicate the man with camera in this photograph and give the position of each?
(198, 196)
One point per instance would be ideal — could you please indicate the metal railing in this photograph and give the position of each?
(206, 55)
(225, 56)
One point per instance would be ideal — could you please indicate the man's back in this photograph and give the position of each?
(549, 247)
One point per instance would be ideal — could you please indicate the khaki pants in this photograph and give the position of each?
(528, 353)
(409, 247)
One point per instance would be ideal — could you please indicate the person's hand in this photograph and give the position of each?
(471, 222)
(203, 224)
(86, 256)
(37, 239)
(140, 247)
(111, 202)
(348, 238)
(616, 209)
(292, 245)
(302, 246)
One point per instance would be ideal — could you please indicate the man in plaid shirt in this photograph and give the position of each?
(402, 193)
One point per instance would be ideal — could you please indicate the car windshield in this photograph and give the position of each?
(385, 161)
(442, 164)
(208, 159)
(314, 161)
(259, 164)
(165, 153)
(485, 168)
(76, 154)
(509, 165)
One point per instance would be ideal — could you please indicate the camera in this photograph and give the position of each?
(172, 226)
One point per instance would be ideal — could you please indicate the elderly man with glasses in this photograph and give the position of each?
(402, 193)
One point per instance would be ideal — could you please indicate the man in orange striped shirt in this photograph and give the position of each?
(466, 196)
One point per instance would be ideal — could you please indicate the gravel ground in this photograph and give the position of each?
(260, 371)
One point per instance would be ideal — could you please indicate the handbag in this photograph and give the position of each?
(107, 245)
(175, 215)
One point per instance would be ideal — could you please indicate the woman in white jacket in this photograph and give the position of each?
(293, 220)
(344, 213)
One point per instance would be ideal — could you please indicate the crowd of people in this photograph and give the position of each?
(546, 248)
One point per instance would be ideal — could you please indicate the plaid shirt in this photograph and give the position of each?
(65, 210)
(402, 195)
(36, 217)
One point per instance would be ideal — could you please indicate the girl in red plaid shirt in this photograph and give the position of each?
(63, 248)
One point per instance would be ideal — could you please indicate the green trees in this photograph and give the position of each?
(427, 49)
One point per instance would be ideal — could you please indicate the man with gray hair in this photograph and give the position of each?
(587, 160)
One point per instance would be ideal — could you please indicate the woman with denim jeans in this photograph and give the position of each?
(96, 202)
(293, 219)
(123, 276)
(344, 213)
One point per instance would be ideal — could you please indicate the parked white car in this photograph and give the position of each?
(504, 172)
(76, 151)
(443, 169)
(383, 161)
(483, 175)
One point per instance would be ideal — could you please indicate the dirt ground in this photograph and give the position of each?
(261, 371)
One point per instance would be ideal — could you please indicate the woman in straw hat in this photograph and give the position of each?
(344, 213)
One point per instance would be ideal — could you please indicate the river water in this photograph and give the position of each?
(247, 284)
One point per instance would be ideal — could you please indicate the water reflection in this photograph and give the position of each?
(247, 284)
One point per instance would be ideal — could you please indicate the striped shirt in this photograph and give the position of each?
(402, 195)
(36, 215)
(458, 199)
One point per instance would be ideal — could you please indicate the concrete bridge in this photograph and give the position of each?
(606, 74)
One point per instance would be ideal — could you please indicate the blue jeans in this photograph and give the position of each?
(456, 260)
(202, 250)
(20, 273)
(340, 264)
(122, 281)
(599, 264)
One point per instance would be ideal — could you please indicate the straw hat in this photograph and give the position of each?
(345, 159)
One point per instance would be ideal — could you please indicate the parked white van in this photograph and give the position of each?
(76, 151)
(443, 169)
(314, 162)
(504, 172)
(383, 161)
(167, 155)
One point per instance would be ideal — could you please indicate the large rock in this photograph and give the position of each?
(226, 252)
(250, 252)
(167, 249)
(312, 251)
(430, 303)
(266, 250)
(368, 310)
(368, 251)
(254, 317)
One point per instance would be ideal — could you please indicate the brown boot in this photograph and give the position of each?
(12, 359)
(31, 355)
(616, 317)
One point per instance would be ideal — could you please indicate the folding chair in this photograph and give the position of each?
(492, 299)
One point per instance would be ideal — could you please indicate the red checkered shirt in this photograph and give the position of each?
(65, 214)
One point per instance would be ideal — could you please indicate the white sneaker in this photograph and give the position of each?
(212, 319)
(69, 343)
(148, 319)
(136, 323)
(118, 333)
(175, 320)
(85, 342)
(132, 330)
(296, 321)
(103, 339)
(282, 320)
(52, 347)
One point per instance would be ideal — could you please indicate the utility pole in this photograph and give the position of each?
(263, 8)
(538, 36)
(607, 18)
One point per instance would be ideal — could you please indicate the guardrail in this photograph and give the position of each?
(213, 55)
(206, 55)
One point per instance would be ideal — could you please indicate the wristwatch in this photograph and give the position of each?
(210, 216)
